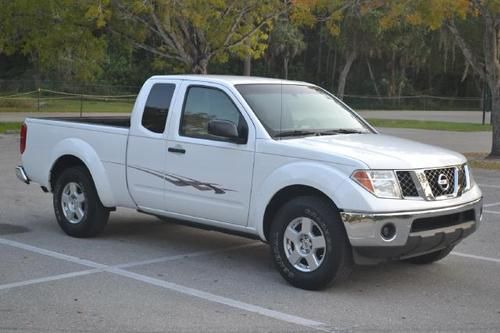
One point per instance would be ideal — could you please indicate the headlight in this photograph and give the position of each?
(381, 183)
(469, 180)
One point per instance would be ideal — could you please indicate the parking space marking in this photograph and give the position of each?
(285, 317)
(225, 301)
(48, 279)
(103, 268)
(52, 254)
(489, 186)
(472, 256)
(491, 212)
(493, 204)
(188, 255)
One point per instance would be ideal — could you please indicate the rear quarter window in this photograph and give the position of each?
(155, 113)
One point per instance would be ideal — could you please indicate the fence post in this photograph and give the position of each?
(81, 105)
(38, 101)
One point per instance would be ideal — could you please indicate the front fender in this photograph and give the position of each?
(87, 154)
(320, 176)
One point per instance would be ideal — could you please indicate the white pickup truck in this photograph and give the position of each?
(282, 161)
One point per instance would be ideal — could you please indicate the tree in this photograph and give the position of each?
(60, 37)
(193, 33)
(449, 14)
(286, 41)
(347, 22)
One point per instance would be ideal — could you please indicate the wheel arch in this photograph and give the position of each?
(291, 180)
(75, 152)
(286, 194)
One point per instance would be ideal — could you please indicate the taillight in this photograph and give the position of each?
(22, 143)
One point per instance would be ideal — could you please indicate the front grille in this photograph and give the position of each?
(407, 185)
(441, 181)
(433, 184)
(443, 221)
(462, 178)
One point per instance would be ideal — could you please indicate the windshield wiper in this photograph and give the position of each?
(319, 132)
(342, 131)
(296, 133)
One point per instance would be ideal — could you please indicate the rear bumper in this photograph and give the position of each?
(416, 232)
(21, 175)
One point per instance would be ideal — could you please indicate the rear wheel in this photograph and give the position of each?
(309, 244)
(429, 258)
(77, 206)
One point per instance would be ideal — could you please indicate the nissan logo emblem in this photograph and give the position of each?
(443, 182)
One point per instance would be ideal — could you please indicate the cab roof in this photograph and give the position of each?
(227, 79)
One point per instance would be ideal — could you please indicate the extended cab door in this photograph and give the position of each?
(209, 177)
(147, 144)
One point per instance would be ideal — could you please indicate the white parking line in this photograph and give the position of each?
(48, 279)
(285, 317)
(52, 254)
(489, 186)
(493, 204)
(188, 255)
(491, 212)
(224, 300)
(102, 268)
(472, 256)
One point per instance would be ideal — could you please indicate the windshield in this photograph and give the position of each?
(298, 110)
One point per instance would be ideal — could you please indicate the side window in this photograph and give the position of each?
(203, 104)
(157, 105)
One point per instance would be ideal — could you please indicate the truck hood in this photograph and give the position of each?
(377, 151)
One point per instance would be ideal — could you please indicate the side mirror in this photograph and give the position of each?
(225, 129)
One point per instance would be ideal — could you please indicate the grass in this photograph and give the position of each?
(430, 125)
(4, 127)
(482, 161)
(65, 105)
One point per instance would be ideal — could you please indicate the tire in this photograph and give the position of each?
(77, 206)
(430, 258)
(291, 243)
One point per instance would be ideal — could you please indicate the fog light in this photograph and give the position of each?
(388, 231)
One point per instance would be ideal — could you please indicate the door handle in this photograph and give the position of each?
(177, 150)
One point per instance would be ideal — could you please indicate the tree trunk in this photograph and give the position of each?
(320, 52)
(495, 122)
(200, 67)
(327, 65)
(351, 56)
(491, 70)
(247, 65)
(392, 84)
(372, 77)
(334, 70)
(285, 67)
(36, 76)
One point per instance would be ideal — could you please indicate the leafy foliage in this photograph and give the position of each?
(58, 36)
(194, 32)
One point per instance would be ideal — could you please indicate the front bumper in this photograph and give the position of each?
(21, 175)
(416, 232)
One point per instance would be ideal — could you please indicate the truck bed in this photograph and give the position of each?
(115, 121)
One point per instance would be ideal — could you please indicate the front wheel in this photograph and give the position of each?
(309, 244)
(77, 206)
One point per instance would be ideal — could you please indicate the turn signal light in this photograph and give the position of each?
(22, 142)
(363, 179)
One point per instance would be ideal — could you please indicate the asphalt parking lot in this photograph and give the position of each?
(145, 275)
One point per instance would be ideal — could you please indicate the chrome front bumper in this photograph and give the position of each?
(365, 229)
(21, 175)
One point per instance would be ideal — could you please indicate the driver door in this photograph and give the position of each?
(209, 177)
